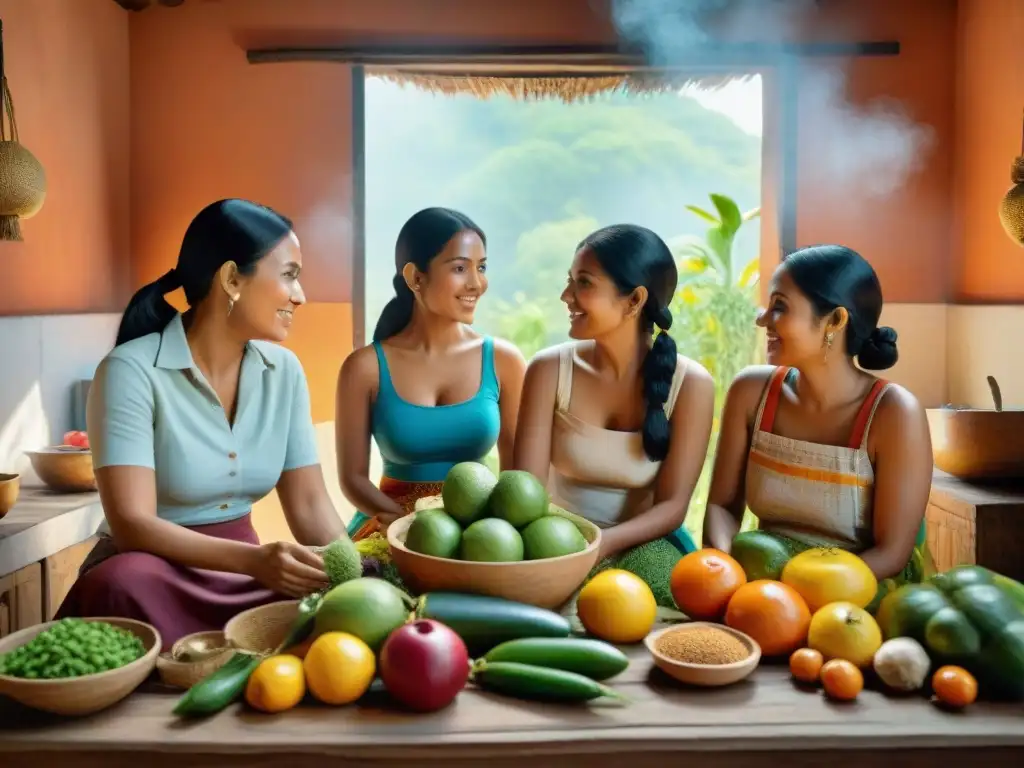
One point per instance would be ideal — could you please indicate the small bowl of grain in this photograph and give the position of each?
(702, 653)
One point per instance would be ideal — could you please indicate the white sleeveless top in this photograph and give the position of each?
(602, 474)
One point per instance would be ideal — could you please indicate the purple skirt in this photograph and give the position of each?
(175, 599)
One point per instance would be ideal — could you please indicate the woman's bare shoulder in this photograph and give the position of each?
(360, 367)
(750, 382)
(549, 357)
(899, 414)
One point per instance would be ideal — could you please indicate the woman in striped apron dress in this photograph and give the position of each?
(823, 453)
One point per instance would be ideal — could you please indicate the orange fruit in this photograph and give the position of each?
(954, 686)
(841, 680)
(805, 665)
(339, 668)
(703, 581)
(277, 684)
(772, 613)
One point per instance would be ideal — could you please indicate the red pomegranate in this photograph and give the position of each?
(424, 665)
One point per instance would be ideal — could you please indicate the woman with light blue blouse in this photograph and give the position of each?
(193, 418)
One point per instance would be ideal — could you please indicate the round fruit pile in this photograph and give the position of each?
(488, 519)
(957, 634)
(423, 652)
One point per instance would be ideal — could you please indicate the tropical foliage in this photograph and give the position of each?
(539, 176)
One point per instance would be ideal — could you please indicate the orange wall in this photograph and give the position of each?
(205, 123)
(202, 123)
(67, 65)
(905, 233)
(990, 100)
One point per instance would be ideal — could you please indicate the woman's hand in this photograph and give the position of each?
(288, 569)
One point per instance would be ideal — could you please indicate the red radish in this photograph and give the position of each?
(424, 665)
(76, 439)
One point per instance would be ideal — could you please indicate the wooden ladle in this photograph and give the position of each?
(997, 396)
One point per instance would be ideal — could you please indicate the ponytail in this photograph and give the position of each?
(397, 313)
(148, 311)
(425, 235)
(658, 370)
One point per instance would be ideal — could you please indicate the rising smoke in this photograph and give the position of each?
(872, 148)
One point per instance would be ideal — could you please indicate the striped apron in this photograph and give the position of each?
(819, 495)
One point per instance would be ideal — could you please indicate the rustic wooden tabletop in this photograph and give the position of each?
(764, 718)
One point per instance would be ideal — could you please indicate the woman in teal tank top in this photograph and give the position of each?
(429, 390)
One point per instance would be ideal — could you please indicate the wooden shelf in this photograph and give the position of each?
(976, 523)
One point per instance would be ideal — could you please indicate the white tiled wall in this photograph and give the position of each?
(41, 358)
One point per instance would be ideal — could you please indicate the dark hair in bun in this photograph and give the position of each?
(879, 350)
(833, 276)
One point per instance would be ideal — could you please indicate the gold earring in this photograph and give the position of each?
(829, 337)
(231, 303)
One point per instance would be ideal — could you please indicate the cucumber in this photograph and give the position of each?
(484, 622)
(595, 659)
(220, 689)
(528, 681)
(226, 685)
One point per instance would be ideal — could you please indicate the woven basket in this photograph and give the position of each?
(185, 674)
(262, 629)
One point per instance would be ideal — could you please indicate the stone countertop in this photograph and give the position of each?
(42, 523)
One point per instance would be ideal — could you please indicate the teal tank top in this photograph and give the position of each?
(420, 443)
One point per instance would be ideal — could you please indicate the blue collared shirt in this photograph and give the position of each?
(150, 406)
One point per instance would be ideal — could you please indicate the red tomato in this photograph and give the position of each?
(76, 438)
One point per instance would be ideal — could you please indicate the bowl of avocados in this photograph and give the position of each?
(494, 535)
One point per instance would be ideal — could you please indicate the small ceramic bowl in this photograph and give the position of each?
(9, 487)
(704, 674)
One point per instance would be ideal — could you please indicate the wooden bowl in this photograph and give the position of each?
(9, 487)
(89, 693)
(64, 469)
(707, 675)
(548, 583)
(261, 629)
(975, 444)
(179, 672)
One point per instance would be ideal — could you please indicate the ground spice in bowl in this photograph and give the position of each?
(701, 645)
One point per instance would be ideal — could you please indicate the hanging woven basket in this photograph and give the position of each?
(1011, 209)
(22, 178)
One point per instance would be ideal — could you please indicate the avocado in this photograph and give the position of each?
(762, 555)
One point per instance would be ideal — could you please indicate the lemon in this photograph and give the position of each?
(339, 668)
(843, 630)
(617, 606)
(277, 684)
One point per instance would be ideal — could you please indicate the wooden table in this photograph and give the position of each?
(755, 722)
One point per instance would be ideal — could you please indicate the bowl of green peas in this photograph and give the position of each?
(77, 666)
